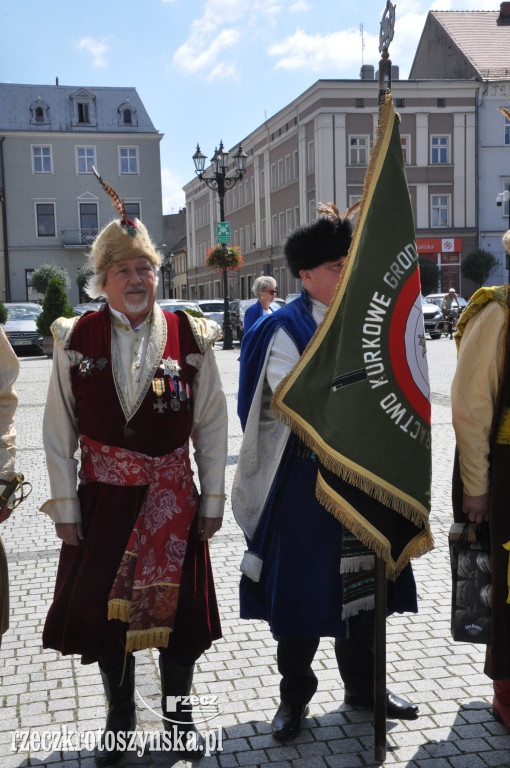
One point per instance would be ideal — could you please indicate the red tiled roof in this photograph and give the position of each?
(477, 34)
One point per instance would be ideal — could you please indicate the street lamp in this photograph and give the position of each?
(221, 182)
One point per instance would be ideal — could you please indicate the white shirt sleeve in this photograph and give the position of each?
(60, 438)
(474, 390)
(209, 436)
(9, 369)
(283, 357)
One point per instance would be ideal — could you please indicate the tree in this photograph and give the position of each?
(429, 275)
(43, 274)
(478, 265)
(3, 313)
(84, 274)
(55, 304)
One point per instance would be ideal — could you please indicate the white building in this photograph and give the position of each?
(52, 205)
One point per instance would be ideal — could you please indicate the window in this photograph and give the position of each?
(296, 216)
(440, 210)
(360, 103)
(263, 233)
(281, 226)
(358, 150)
(295, 158)
(441, 102)
(45, 215)
(311, 211)
(128, 157)
(400, 102)
(273, 176)
(281, 177)
(42, 161)
(83, 112)
(241, 240)
(310, 157)
(88, 216)
(127, 114)
(439, 150)
(406, 149)
(249, 246)
(133, 210)
(39, 112)
(240, 191)
(288, 174)
(85, 159)
(507, 132)
(262, 184)
(288, 221)
(274, 226)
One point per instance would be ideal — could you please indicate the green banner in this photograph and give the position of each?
(360, 394)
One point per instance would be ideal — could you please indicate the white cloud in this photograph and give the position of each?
(173, 194)
(223, 71)
(301, 5)
(98, 49)
(195, 55)
(333, 51)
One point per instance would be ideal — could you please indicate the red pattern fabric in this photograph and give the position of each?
(146, 589)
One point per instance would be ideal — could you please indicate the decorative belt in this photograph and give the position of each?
(146, 587)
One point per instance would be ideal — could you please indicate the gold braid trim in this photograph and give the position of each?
(62, 330)
(205, 331)
(119, 609)
(140, 639)
(370, 537)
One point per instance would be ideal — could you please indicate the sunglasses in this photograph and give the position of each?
(269, 290)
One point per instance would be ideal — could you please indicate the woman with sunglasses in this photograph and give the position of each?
(264, 289)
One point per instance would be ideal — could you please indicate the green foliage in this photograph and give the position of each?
(55, 304)
(194, 312)
(429, 275)
(84, 274)
(3, 313)
(478, 265)
(43, 274)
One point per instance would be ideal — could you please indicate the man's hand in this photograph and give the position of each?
(5, 513)
(207, 527)
(476, 508)
(70, 533)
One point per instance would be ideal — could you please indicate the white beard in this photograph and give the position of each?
(138, 306)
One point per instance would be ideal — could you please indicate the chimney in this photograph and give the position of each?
(395, 73)
(504, 14)
(367, 71)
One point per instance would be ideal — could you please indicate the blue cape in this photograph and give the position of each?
(296, 318)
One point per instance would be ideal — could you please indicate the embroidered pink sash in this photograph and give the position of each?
(146, 587)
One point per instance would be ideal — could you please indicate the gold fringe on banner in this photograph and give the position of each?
(140, 639)
(119, 609)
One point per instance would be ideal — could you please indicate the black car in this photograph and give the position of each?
(21, 329)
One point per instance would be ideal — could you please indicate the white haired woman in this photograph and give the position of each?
(264, 289)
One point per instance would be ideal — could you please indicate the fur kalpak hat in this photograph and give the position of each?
(121, 239)
(327, 239)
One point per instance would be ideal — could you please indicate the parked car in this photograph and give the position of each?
(172, 305)
(432, 318)
(291, 297)
(89, 306)
(20, 327)
(212, 309)
(281, 302)
(438, 299)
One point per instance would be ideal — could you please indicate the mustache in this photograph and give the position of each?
(135, 289)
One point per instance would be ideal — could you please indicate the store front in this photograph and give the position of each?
(446, 253)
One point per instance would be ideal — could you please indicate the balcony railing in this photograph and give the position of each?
(76, 238)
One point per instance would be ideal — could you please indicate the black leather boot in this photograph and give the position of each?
(177, 680)
(121, 707)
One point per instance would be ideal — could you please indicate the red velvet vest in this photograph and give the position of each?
(158, 426)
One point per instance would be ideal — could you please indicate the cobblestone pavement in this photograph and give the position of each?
(46, 693)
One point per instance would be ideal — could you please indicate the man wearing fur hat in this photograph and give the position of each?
(131, 385)
(291, 571)
(481, 418)
(9, 369)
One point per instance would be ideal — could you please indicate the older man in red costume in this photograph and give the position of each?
(131, 385)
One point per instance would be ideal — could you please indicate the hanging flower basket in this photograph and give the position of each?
(222, 257)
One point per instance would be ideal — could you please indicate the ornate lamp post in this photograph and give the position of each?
(221, 182)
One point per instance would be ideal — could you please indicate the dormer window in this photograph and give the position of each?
(84, 108)
(127, 114)
(39, 112)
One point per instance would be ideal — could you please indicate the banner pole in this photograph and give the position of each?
(385, 38)
(380, 660)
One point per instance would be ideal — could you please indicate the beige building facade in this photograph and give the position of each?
(316, 150)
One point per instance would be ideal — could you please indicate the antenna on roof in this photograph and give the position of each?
(362, 42)
(56, 81)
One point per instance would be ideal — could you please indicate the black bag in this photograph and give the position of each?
(471, 583)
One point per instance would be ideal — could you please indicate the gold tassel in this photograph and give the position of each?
(119, 609)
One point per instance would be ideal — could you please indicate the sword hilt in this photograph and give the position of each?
(11, 488)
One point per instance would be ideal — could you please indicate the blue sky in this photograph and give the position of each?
(205, 69)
